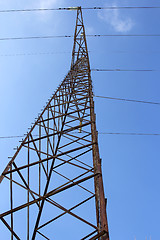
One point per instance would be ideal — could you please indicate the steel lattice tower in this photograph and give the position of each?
(54, 178)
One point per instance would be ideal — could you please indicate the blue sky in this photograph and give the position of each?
(130, 163)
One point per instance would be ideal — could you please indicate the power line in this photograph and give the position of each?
(123, 35)
(33, 10)
(125, 7)
(6, 137)
(71, 36)
(100, 133)
(123, 133)
(34, 37)
(128, 100)
(31, 53)
(92, 51)
(123, 70)
(109, 133)
(75, 8)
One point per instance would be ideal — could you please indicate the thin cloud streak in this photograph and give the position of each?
(45, 16)
(90, 30)
(48, 3)
(118, 22)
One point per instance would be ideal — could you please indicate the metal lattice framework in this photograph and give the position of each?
(54, 178)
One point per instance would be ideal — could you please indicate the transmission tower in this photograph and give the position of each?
(55, 178)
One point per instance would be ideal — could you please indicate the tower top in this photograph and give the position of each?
(80, 45)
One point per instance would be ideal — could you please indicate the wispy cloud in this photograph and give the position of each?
(48, 3)
(119, 22)
(45, 21)
(90, 30)
(45, 15)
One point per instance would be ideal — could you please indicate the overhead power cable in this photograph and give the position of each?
(34, 37)
(123, 133)
(6, 137)
(100, 133)
(75, 8)
(123, 35)
(71, 36)
(31, 53)
(118, 7)
(123, 70)
(68, 52)
(128, 100)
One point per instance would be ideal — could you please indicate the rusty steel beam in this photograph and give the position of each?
(65, 148)
(44, 160)
(102, 234)
(66, 212)
(10, 229)
(49, 194)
